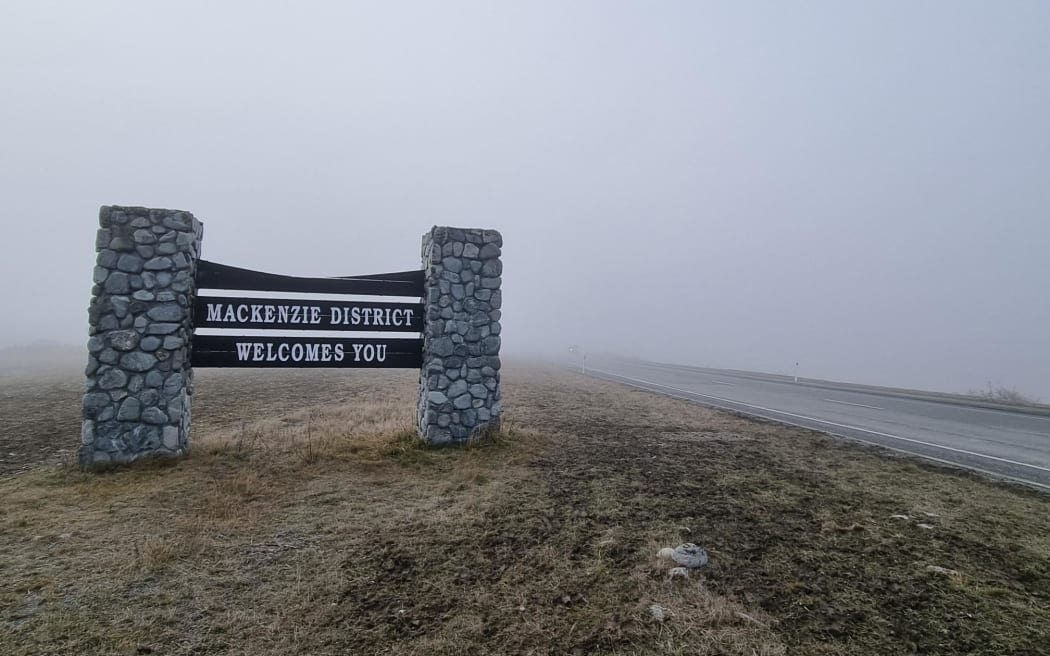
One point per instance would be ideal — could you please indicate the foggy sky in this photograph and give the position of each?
(861, 187)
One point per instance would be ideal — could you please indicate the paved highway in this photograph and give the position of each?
(1003, 442)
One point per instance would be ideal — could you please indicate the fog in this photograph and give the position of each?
(861, 188)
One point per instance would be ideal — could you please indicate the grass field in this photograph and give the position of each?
(308, 520)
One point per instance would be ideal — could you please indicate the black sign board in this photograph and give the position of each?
(219, 276)
(252, 313)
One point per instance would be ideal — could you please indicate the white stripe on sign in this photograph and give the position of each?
(284, 332)
(302, 296)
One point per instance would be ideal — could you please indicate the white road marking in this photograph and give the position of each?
(829, 423)
(859, 405)
(953, 463)
(970, 408)
(722, 382)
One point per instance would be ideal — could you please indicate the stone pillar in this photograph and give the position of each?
(139, 379)
(459, 391)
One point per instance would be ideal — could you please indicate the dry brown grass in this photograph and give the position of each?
(308, 519)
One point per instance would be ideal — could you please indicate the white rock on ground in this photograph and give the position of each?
(690, 555)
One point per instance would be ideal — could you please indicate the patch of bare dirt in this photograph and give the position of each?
(39, 416)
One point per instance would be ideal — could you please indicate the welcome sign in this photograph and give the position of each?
(233, 314)
(158, 310)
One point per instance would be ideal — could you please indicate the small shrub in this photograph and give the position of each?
(1004, 395)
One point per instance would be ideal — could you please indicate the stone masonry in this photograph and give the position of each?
(459, 390)
(139, 380)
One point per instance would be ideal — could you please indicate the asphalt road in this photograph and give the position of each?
(1004, 443)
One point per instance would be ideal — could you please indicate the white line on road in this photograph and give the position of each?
(829, 423)
(953, 463)
(722, 382)
(859, 405)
